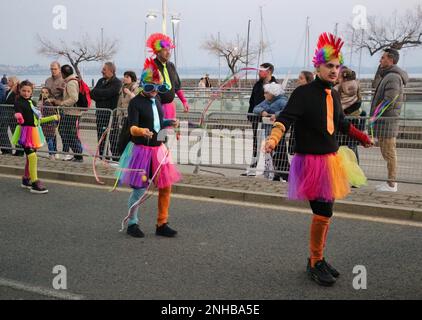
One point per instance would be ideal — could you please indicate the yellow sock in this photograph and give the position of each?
(33, 160)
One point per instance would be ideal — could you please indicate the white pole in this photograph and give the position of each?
(164, 13)
(145, 40)
(351, 48)
(102, 41)
(219, 62)
(360, 55)
(247, 49)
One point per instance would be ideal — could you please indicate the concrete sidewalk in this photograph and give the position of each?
(406, 204)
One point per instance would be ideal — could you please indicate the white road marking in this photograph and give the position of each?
(284, 209)
(39, 290)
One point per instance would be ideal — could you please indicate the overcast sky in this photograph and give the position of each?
(124, 19)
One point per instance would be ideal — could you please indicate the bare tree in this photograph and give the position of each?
(398, 32)
(85, 50)
(234, 52)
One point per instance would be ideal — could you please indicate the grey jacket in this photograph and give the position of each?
(393, 81)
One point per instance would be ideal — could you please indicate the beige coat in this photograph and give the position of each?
(56, 86)
(71, 96)
(124, 99)
(349, 93)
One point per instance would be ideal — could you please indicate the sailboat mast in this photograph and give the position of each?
(247, 49)
(306, 62)
(261, 40)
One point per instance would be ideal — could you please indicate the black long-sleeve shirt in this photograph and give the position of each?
(141, 114)
(168, 97)
(307, 110)
(23, 107)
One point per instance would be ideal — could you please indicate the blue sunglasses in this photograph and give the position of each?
(161, 88)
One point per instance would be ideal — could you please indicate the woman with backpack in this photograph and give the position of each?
(71, 115)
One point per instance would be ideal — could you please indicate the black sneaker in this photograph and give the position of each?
(77, 159)
(320, 274)
(331, 269)
(165, 231)
(26, 183)
(134, 231)
(38, 188)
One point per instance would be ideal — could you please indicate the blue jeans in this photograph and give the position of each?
(52, 145)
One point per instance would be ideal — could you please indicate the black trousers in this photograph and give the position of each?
(320, 208)
(255, 125)
(69, 134)
(103, 121)
(5, 145)
(281, 160)
(7, 120)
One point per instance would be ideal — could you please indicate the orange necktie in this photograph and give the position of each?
(330, 112)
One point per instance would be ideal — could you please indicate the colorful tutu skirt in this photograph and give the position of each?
(139, 161)
(28, 137)
(324, 177)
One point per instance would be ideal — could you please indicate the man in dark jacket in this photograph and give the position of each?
(257, 96)
(390, 88)
(2, 93)
(5, 145)
(106, 95)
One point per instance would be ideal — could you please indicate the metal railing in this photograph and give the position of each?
(225, 140)
(238, 102)
(76, 133)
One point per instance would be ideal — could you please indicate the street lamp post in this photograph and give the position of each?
(145, 39)
(174, 21)
(164, 14)
(150, 16)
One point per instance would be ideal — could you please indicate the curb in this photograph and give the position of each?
(373, 210)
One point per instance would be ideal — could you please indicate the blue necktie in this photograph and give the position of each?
(157, 126)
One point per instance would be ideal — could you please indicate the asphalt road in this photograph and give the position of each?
(223, 251)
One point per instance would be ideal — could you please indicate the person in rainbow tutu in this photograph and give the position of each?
(146, 156)
(29, 135)
(320, 173)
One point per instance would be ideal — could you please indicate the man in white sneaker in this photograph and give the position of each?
(386, 129)
(265, 77)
